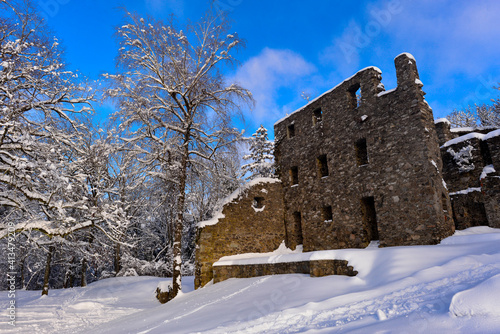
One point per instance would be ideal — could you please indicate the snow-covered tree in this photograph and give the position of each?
(37, 96)
(478, 115)
(261, 155)
(175, 100)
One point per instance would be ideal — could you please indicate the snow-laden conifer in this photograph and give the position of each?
(261, 156)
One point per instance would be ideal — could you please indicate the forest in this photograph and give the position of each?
(82, 199)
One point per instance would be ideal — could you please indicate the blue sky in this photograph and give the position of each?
(295, 46)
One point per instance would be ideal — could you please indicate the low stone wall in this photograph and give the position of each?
(469, 210)
(315, 268)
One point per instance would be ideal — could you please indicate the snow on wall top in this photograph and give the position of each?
(470, 129)
(280, 255)
(327, 92)
(409, 55)
(441, 120)
(464, 138)
(234, 196)
(386, 92)
(472, 135)
(492, 134)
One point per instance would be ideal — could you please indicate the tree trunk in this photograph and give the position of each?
(179, 225)
(69, 276)
(84, 273)
(177, 247)
(45, 290)
(117, 259)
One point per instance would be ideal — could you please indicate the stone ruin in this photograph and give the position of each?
(357, 164)
(471, 166)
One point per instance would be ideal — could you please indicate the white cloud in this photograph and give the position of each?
(273, 74)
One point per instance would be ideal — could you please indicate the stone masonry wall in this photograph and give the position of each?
(475, 195)
(253, 223)
(382, 179)
(463, 164)
(491, 183)
(315, 268)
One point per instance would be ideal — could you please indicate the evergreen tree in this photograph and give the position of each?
(261, 154)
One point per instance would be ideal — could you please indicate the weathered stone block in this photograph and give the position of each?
(316, 268)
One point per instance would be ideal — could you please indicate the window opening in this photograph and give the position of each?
(354, 95)
(297, 221)
(361, 152)
(485, 152)
(258, 202)
(317, 116)
(369, 217)
(322, 165)
(444, 203)
(291, 131)
(294, 175)
(327, 213)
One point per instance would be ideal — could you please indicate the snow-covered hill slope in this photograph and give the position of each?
(453, 287)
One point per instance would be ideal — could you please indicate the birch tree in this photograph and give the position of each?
(175, 100)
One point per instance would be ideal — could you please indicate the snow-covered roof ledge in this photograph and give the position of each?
(491, 134)
(471, 135)
(463, 138)
(470, 129)
(234, 196)
(442, 120)
(329, 91)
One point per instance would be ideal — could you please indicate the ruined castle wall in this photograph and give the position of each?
(463, 164)
(473, 185)
(252, 223)
(491, 183)
(383, 165)
(443, 131)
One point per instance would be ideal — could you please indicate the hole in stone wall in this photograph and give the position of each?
(361, 152)
(327, 213)
(317, 116)
(322, 165)
(291, 131)
(294, 175)
(258, 202)
(485, 152)
(444, 203)
(354, 95)
(369, 217)
(297, 221)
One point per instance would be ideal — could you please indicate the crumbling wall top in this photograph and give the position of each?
(374, 69)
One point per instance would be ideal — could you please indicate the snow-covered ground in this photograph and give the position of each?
(453, 287)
